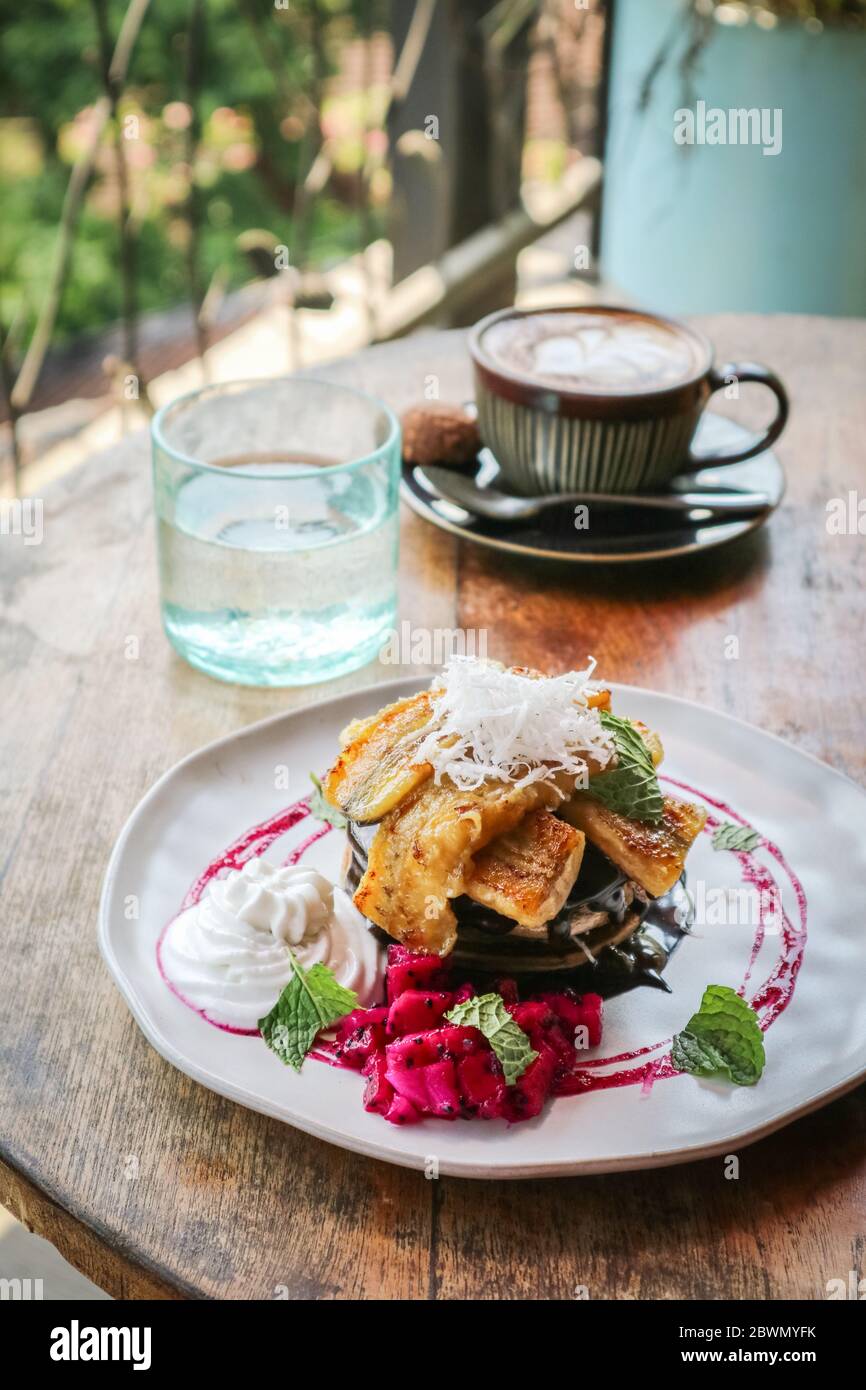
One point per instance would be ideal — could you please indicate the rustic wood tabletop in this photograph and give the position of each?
(155, 1187)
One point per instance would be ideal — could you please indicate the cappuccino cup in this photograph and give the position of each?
(601, 399)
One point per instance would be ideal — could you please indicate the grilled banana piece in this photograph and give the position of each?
(598, 699)
(375, 770)
(652, 741)
(422, 852)
(653, 855)
(528, 873)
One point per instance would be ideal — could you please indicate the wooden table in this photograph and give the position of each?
(153, 1186)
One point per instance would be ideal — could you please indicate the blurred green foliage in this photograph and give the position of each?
(257, 65)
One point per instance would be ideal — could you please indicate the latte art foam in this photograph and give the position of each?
(593, 352)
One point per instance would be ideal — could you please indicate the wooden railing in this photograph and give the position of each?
(467, 57)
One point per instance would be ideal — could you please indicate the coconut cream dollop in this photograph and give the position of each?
(228, 955)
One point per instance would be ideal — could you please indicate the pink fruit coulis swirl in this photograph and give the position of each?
(652, 1062)
(769, 1000)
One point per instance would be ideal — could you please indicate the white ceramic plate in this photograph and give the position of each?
(809, 869)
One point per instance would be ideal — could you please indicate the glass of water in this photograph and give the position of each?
(276, 513)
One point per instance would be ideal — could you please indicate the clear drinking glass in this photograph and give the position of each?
(276, 513)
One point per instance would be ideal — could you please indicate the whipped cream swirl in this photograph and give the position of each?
(228, 955)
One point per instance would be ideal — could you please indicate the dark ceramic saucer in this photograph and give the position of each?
(613, 536)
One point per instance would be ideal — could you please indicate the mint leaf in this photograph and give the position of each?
(312, 1000)
(730, 836)
(487, 1013)
(722, 1038)
(322, 809)
(631, 788)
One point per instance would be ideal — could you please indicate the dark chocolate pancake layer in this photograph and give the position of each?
(607, 938)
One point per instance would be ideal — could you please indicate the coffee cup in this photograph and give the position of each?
(602, 399)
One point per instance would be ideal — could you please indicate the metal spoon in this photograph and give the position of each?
(489, 502)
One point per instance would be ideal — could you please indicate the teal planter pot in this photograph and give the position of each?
(694, 228)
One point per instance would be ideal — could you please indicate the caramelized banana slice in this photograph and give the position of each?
(375, 771)
(358, 728)
(422, 851)
(598, 699)
(528, 873)
(652, 741)
(653, 855)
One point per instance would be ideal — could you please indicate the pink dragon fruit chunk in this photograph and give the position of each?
(432, 1089)
(450, 1042)
(481, 1084)
(402, 1112)
(559, 1039)
(464, 992)
(359, 1018)
(507, 988)
(413, 970)
(534, 1016)
(575, 1012)
(442, 1089)
(545, 1030)
(592, 1012)
(454, 1041)
(526, 1097)
(417, 1009)
(378, 1093)
(414, 1050)
(359, 1034)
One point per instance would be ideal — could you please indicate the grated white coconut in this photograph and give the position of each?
(489, 722)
